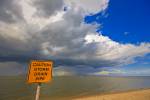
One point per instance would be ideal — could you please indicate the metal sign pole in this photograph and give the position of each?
(38, 91)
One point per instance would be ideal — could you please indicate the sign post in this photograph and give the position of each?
(37, 96)
(39, 72)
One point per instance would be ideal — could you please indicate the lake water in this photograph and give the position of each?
(16, 88)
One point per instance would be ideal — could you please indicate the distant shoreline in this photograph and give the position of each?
(116, 92)
(137, 94)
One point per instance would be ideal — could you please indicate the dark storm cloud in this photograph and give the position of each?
(88, 62)
(47, 7)
(13, 47)
(10, 11)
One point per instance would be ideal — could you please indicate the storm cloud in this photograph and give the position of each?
(10, 11)
(41, 29)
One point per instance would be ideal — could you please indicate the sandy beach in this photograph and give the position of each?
(130, 95)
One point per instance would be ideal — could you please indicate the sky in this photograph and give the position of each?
(82, 37)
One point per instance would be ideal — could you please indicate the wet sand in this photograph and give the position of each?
(130, 95)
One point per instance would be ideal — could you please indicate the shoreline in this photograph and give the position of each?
(137, 94)
(113, 92)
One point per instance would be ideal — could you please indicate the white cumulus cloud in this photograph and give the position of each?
(43, 30)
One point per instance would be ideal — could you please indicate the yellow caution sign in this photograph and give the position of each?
(40, 71)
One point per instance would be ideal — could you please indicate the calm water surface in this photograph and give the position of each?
(16, 88)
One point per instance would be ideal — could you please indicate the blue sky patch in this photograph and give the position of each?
(125, 21)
